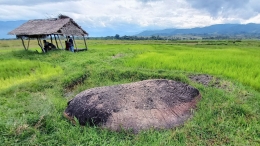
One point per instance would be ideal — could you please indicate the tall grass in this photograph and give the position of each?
(240, 64)
(15, 72)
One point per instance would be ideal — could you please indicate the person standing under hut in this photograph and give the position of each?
(71, 44)
(67, 44)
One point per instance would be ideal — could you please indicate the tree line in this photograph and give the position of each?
(179, 37)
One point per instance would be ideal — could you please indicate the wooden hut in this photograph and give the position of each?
(53, 27)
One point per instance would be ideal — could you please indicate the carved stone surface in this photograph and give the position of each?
(158, 104)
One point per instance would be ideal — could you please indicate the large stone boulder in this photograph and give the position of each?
(158, 104)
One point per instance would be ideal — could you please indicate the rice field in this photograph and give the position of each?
(36, 87)
(240, 64)
(16, 72)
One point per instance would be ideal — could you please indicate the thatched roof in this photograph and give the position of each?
(44, 27)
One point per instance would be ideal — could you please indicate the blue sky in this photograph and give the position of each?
(133, 16)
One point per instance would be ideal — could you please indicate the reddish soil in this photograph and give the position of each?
(202, 79)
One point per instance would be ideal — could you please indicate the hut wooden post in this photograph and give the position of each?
(28, 43)
(51, 38)
(75, 43)
(56, 41)
(23, 43)
(60, 42)
(85, 42)
(40, 44)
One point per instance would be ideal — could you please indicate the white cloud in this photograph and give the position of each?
(120, 14)
(255, 19)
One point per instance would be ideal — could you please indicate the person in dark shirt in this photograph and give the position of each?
(45, 46)
(48, 46)
(71, 44)
(67, 44)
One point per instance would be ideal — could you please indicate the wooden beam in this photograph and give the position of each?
(51, 39)
(85, 42)
(23, 43)
(60, 42)
(28, 43)
(56, 41)
(75, 43)
(40, 44)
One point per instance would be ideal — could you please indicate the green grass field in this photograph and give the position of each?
(35, 88)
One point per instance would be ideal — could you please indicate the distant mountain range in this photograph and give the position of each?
(250, 29)
(218, 29)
